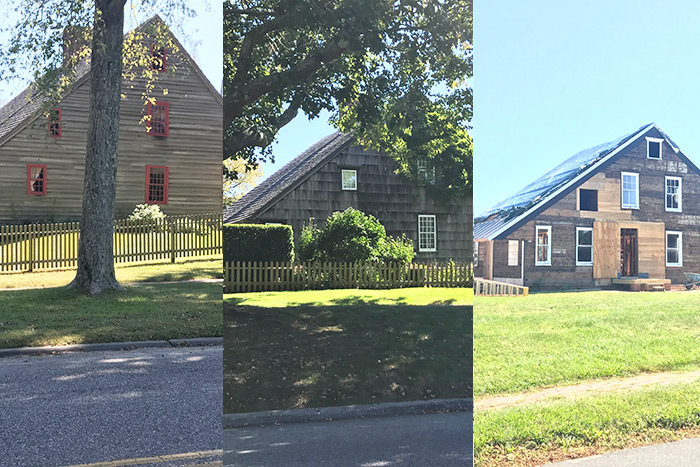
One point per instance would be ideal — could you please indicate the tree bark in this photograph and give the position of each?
(95, 251)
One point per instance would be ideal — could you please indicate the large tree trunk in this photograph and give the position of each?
(95, 254)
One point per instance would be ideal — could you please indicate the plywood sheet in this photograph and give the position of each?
(606, 249)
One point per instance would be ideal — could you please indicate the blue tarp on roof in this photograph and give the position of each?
(558, 176)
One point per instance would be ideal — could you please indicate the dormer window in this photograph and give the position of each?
(158, 119)
(55, 130)
(654, 148)
(349, 178)
(159, 60)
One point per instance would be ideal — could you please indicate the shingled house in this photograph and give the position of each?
(172, 157)
(334, 174)
(625, 212)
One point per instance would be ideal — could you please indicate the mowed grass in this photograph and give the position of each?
(542, 433)
(548, 339)
(58, 316)
(309, 350)
(205, 268)
(408, 296)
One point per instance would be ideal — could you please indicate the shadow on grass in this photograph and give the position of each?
(356, 300)
(57, 316)
(304, 356)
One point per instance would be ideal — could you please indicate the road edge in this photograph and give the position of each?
(107, 346)
(387, 409)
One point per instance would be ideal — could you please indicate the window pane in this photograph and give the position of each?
(585, 254)
(585, 237)
(672, 256)
(654, 150)
(672, 241)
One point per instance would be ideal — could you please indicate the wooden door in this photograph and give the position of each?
(628, 252)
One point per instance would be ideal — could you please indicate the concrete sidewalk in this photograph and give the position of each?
(684, 453)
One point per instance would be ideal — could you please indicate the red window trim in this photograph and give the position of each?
(167, 118)
(31, 180)
(165, 58)
(148, 184)
(58, 123)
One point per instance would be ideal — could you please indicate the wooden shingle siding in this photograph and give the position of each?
(192, 151)
(391, 198)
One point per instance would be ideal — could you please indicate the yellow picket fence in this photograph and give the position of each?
(254, 276)
(55, 246)
(487, 288)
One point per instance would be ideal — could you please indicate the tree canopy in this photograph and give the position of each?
(393, 72)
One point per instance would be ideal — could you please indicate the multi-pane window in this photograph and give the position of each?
(674, 194)
(156, 184)
(158, 119)
(55, 130)
(349, 178)
(654, 148)
(427, 233)
(584, 246)
(674, 248)
(36, 179)
(543, 248)
(630, 190)
(426, 171)
(158, 58)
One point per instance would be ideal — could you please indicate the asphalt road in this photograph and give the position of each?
(412, 440)
(88, 407)
(684, 453)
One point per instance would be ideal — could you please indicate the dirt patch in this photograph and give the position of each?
(589, 387)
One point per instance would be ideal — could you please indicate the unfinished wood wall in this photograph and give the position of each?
(192, 151)
(391, 198)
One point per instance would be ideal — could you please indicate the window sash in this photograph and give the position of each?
(36, 179)
(584, 246)
(349, 179)
(158, 118)
(159, 58)
(543, 246)
(157, 178)
(674, 194)
(427, 233)
(674, 248)
(656, 143)
(55, 127)
(629, 188)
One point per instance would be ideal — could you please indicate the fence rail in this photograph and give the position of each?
(498, 289)
(35, 247)
(249, 276)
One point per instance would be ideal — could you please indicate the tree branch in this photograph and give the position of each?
(261, 138)
(251, 12)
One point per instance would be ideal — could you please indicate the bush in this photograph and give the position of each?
(257, 242)
(350, 236)
(146, 212)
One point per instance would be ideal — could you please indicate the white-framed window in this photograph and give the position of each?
(674, 194)
(629, 188)
(584, 246)
(476, 254)
(512, 252)
(654, 148)
(427, 233)
(426, 171)
(349, 177)
(543, 245)
(674, 248)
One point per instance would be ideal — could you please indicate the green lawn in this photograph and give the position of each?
(182, 270)
(535, 434)
(547, 339)
(408, 296)
(56, 316)
(316, 349)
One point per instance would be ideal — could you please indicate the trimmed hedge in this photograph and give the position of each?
(258, 242)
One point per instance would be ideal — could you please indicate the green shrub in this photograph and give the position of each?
(350, 236)
(257, 242)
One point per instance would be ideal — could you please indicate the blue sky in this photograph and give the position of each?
(552, 78)
(203, 39)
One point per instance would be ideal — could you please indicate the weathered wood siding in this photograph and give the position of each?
(192, 151)
(391, 198)
(651, 220)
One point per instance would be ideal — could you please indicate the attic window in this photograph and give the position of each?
(426, 172)
(156, 184)
(588, 200)
(158, 118)
(349, 179)
(36, 179)
(654, 148)
(55, 130)
(159, 58)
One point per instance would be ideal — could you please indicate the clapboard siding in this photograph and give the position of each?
(391, 198)
(192, 151)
